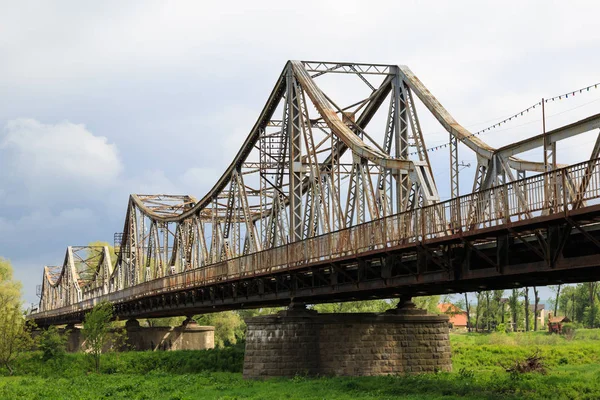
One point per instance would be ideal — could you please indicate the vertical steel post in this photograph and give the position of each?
(295, 166)
(549, 162)
(454, 185)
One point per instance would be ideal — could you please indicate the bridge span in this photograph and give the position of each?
(316, 207)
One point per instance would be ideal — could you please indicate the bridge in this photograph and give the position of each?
(328, 201)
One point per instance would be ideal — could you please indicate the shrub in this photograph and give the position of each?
(52, 343)
(569, 329)
(563, 361)
(466, 373)
(96, 330)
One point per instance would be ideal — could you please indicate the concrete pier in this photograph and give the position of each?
(303, 342)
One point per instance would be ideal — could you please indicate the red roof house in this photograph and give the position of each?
(458, 317)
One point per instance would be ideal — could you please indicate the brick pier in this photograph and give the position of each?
(303, 342)
(188, 336)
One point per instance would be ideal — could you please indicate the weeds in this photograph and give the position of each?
(533, 363)
(573, 371)
(466, 373)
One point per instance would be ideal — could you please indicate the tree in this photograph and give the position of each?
(580, 303)
(468, 310)
(491, 309)
(15, 333)
(428, 303)
(95, 258)
(52, 343)
(96, 330)
(229, 326)
(591, 315)
(9, 288)
(526, 296)
(515, 308)
(535, 308)
(365, 306)
(556, 289)
(255, 312)
(168, 321)
(479, 309)
(498, 310)
(488, 312)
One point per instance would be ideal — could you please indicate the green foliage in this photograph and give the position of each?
(488, 351)
(516, 309)
(581, 303)
(569, 329)
(466, 373)
(229, 326)
(366, 306)
(255, 312)
(52, 343)
(576, 382)
(10, 290)
(15, 335)
(574, 372)
(170, 321)
(94, 258)
(490, 311)
(428, 303)
(96, 331)
(73, 365)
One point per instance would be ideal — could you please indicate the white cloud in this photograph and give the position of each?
(55, 157)
(40, 226)
(152, 182)
(198, 181)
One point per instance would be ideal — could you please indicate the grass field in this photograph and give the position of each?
(573, 373)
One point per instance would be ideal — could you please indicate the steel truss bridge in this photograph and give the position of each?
(329, 201)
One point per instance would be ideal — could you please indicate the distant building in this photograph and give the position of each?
(555, 324)
(458, 317)
(540, 314)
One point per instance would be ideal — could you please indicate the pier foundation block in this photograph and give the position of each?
(188, 336)
(303, 342)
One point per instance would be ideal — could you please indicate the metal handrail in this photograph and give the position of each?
(555, 191)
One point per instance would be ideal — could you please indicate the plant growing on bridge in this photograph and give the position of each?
(96, 331)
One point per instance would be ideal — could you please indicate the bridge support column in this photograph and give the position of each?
(302, 342)
(188, 336)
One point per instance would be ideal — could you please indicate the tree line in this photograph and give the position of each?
(516, 309)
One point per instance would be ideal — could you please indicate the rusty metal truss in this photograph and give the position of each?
(317, 179)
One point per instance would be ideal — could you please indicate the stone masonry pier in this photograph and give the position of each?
(188, 336)
(303, 342)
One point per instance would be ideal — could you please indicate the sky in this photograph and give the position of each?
(102, 99)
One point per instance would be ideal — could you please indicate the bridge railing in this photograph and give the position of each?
(555, 191)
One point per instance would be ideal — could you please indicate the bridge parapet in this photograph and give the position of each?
(501, 207)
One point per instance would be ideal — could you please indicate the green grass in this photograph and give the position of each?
(487, 351)
(574, 373)
(75, 365)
